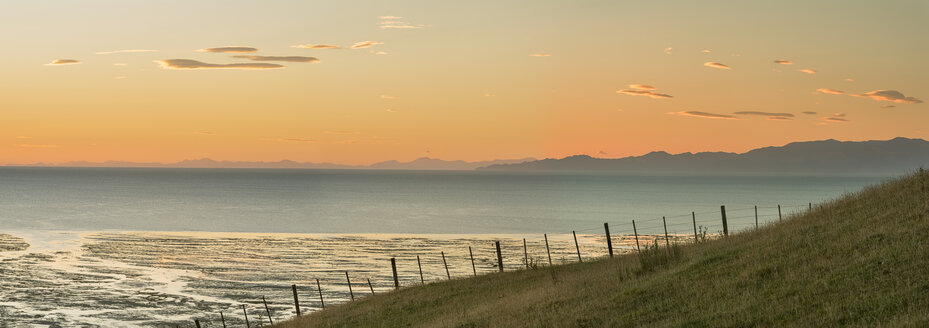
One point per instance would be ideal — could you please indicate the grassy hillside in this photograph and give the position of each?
(862, 260)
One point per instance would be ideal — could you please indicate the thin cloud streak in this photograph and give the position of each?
(291, 59)
(831, 91)
(807, 71)
(229, 49)
(316, 46)
(699, 114)
(190, 64)
(716, 65)
(540, 55)
(57, 62)
(124, 51)
(365, 44)
(783, 62)
(647, 93)
(642, 87)
(768, 114)
(889, 95)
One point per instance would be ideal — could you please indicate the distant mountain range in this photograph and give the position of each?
(816, 157)
(424, 163)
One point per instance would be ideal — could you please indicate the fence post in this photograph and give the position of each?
(446, 266)
(349, 281)
(393, 266)
(609, 239)
(666, 239)
(320, 289)
(267, 310)
(222, 318)
(722, 209)
(637, 248)
(756, 216)
(197, 322)
(420, 265)
(247, 325)
(811, 206)
(578, 246)
(370, 285)
(525, 253)
(296, 301)
(779, 217)
(473, 268)
(499, 256)
(693, 215)
(547, 250)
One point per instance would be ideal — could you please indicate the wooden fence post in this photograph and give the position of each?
(547, 250)
(525, 253)
(420, 265)
(666, 239)
(393, 266)
(779, 217)
(268, 310)
(473, 268)
(756, 216)
(499, 256)
(296, 301)
(349, 281)
(578, 246)
(222, 318)
(320, 289)
(370, 285)
(693, 215)
(722, 209)
(247, 325)
(609, 239)
(197, 322)
(636, 232)
(446, 266)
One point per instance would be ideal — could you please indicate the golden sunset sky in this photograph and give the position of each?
(358, 82)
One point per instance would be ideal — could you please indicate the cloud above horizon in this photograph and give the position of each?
(768, 115)
(230, 49)
(716, 65)
(393, 22)
(889, 95)
(647, 93)
(540, 55)
(316, 46)
(291, 59)
(300, 140)
(807, 71)
(783, 62)
(831, 91)
(810, 113)
(693, 113)
(642, 87)
(365, 44)
(190, 64)
(124, 51)
(63, 62)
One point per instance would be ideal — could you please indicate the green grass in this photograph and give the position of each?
(861, 260)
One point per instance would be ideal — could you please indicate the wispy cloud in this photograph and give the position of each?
(835, 118)
(57, 62)
(693, 113)
(642, 87)
(393, 22)
(181, 64)
(378, 52)
(365, 44)
(125, 51)
(540, 55)
(647, 93)
(783, 62)
(387, 97)
(807, 71)
(716, 65)
(300, 140)
(341, 132)
(668, 50)
(37, 146)
(830, 91)
(292, 59)
(206, 133)
(316, 46)
(848, 79)
(389, 17)
(390, 110)
(705, 51)
(889, 95)
(888, 106)
(230, 49)
(767, 115)
(810, 113)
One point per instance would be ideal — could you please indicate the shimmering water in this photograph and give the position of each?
(156, 247)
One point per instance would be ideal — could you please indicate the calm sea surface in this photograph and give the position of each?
(95, 247)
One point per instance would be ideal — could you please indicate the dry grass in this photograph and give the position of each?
(862, 260)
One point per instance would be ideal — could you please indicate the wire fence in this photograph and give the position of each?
(414, 266)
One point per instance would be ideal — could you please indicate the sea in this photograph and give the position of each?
(160, 247)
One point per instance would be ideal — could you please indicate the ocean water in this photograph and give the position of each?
(157, 247)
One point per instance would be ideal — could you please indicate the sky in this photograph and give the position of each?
(358, 82)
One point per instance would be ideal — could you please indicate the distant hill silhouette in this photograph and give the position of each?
(819, 157)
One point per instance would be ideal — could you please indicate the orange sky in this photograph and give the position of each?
(163, 81)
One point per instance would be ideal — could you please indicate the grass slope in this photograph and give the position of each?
(861, 260)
